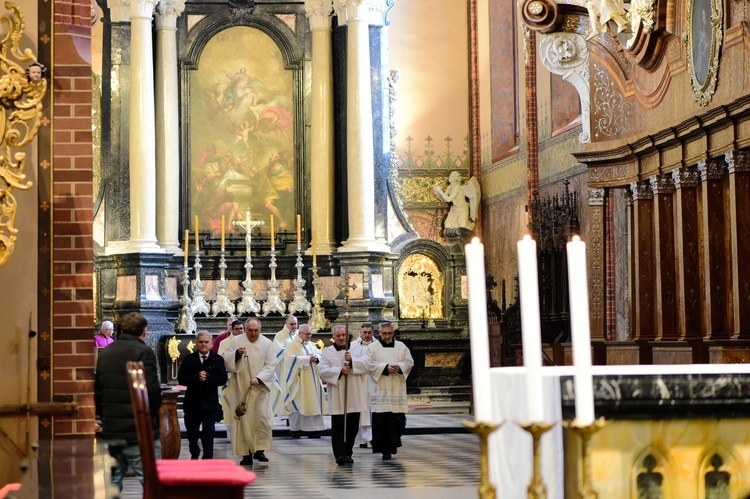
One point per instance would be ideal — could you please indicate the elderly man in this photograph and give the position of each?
(364, 436)
(103, 338)
(305, 398)
(112, 393)
(345, 373)
(250, 360)
(224, 335)
(391, 363)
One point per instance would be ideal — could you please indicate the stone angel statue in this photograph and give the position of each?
(603, 11)
(464, 201)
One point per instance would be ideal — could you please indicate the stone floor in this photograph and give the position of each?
(437, 460)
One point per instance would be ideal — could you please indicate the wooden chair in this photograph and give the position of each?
(170, 478)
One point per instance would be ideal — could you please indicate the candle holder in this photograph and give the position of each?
(248, 304)
(186, 323)
(222, 304)
(484, 430)
(586, 432)
(536, 488)
(318, 319)
(300, 303)
(273, 302)
(199, 305)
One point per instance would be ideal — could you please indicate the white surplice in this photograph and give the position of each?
(305, 398)
(390, 390)
(354, 384)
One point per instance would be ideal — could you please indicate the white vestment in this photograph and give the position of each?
(305, 398)
(390, 390)
(278, 392)
(353, 384)
(364, 435)
(251, 432)
(226, 408)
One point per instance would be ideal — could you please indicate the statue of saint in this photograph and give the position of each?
(603, 11)
(464, 201)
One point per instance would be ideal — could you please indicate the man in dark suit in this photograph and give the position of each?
(202, 372)
(112, 394)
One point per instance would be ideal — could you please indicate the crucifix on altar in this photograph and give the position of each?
(248, 304)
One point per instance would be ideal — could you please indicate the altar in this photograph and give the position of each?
(672, 431)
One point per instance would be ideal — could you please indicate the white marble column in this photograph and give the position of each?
(142, 132)
(359, 129)
(321, 125)
(167, 127)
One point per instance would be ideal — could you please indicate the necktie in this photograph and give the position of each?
(203, 359)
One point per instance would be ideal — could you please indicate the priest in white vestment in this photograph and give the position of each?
(345, 373)
(280, 341)
(305, 398)
(364, 435)
(391, 364)
(250, 360)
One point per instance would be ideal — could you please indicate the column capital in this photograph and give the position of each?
(596, 196)
(119, 11)
(711, 170)
(167, 13)
(360, 10)
(661, 184)
(641, 191)
(319, 13)
(142, 8)
(685, 177)
(737, 161)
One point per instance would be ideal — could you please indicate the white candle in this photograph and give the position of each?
(531, 329)
(580, 331)
(478, 332)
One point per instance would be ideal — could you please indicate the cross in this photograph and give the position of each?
(346, 287)
(248, 224)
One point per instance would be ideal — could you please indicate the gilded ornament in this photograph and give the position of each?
(21, 94)
(703, 42)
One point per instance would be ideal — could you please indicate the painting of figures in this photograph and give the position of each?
(242, 132)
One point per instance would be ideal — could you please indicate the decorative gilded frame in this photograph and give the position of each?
(703, 52)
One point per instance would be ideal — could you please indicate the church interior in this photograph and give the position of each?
(197, 159)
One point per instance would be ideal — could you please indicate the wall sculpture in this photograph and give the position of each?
(21, 93)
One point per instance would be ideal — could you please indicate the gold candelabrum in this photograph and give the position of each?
(536, 488)
(484, 430)
(585, 432)
(318, 319)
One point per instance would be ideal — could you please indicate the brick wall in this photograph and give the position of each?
(72, 226)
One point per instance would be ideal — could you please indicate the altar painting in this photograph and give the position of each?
(242, 132)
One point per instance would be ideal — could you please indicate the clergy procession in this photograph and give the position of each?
(360, 383)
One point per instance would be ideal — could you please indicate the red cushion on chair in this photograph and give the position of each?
(223, 472)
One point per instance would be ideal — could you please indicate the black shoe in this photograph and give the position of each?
(362, 446)
(386, 457)
(247, 460)
(341, 461)
(260, 456)
(349, 460)
(296, 434)
(313, 434)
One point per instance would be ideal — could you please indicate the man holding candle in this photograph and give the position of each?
(391, 363)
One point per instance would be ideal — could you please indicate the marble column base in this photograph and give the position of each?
(133, 246)
(352, 245)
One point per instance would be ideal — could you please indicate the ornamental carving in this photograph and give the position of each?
(711, 170)
(21, 94)
(567, 55)
(641, 191)
(686, 177)
(661, 184)
(596, 197)
(614, 116)
(737, 161)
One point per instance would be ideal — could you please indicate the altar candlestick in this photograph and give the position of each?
(299, 231)
(478, 332)
(531, 327)
(196, 233)
(187, 242)
(223, 220)
(273, 234)
(580, 331)
(315, 253)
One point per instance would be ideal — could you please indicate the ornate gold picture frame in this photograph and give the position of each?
(704, 35)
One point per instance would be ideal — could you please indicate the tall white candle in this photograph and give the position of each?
(478, 332)
(580, 331)
(531, 329)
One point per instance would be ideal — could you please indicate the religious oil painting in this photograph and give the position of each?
(704, 37)
(242, 132)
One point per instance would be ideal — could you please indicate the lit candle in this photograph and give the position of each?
(223, 221)
(299, 231)
(273, 234)
(478, 332)
(315, 253)
(531, 327)
(580, 331)
(187, 242)
(196, 233)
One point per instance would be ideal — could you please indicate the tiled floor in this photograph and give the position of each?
(436, 465)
